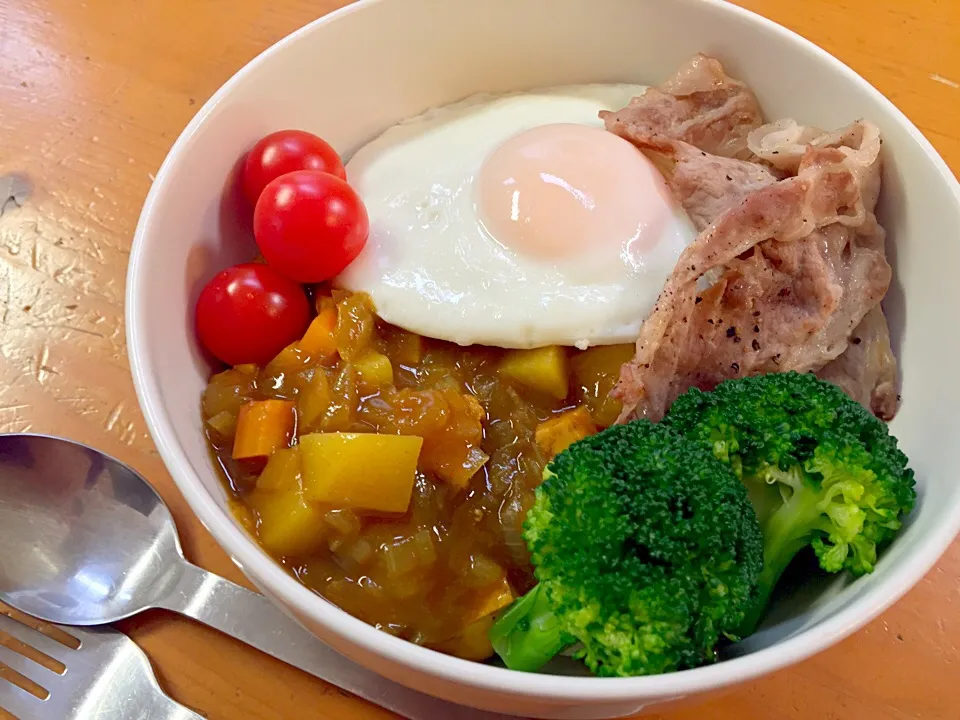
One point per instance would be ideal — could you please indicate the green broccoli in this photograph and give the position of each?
(647, 551)
(821, 470)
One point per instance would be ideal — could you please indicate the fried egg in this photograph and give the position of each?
(515, 221)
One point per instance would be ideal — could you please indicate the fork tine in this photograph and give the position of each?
(18, 702)
(34, 638)
(34, 672)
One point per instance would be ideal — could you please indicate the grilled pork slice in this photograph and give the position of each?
(789, 267)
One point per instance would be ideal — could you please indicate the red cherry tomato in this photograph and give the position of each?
(310, 225)
(286, 151)
(248, 313)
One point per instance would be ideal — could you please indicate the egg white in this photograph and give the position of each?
(431, 267)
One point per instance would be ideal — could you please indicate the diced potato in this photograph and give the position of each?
(374, 371)
(541, 369)
(289, 525)
(497, 598)
(556, 434)
(314, 401)
(320, 340)
(262, 427)
(282, 472)
(373, 472)
(595, 372)
(473, 643)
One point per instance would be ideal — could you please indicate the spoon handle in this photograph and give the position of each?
(254, 620)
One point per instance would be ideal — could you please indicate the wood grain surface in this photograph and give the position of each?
(92, 95)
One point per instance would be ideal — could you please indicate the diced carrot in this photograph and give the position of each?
(262, 427)
(556, 434)
(320, 340)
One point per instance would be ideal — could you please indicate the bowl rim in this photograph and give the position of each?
(244, 551)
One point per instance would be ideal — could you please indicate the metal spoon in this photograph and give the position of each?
(85, 540)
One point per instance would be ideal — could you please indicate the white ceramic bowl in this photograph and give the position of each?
(395, 58)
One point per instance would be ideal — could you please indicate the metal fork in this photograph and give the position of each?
(107, 677)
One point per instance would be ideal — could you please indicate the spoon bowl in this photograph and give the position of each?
(86, 540)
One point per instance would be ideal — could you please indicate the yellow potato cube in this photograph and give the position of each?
(473, 643)
(372, 472)
(499, 596)
(558, 433)
(282, 472)
(289, 525)
(374, 371)
(541, 369)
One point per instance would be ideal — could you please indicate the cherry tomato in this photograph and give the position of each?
(286, 151)
(248, 313)
(310, 225)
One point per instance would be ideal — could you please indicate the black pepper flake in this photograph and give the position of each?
(710, 321)
(698, 301)
(736, 339)
(756, 328)
(735, 367)
(856, 341)
(784, 292)
(731, 331)
(646, 365)
(729, 179)
(703, 153)
(775, 152)
(756, 345)
(756, 313)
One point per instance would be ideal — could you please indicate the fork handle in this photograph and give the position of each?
(254, 620)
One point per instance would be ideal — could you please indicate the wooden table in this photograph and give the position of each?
(93, 93)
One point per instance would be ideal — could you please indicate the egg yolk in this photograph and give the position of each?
(559, 191)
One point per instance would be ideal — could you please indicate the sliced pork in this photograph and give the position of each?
(700, 105)
(789, 267)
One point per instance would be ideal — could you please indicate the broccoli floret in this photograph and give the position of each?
(647, 551)
(821, 470)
